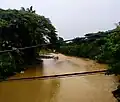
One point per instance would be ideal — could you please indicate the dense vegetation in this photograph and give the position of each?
(22, 28)
(104, 47)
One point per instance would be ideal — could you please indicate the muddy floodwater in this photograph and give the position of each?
(88, 88)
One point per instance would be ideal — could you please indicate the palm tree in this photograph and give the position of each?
(22, 9)
(30, 9)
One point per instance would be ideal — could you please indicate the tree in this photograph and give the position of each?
(22, 9)
(23, 28)
(28, 9)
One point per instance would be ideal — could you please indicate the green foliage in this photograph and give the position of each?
(103, 47)
(111, 51)
(22, 28)
(45, 51)
(7, 65)
(81, 50)
(3, 23)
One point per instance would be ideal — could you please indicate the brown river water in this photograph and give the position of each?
(88, 88)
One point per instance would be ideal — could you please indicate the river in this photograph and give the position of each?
(88, 88)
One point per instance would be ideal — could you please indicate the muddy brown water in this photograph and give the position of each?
(89, 88)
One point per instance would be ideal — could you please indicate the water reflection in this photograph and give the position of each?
(33, 70)
(29, 91)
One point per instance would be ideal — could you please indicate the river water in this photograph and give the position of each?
(89, 88)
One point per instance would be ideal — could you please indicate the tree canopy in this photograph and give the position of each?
(23, 28)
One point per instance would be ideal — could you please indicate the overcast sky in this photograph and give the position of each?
(73, 17)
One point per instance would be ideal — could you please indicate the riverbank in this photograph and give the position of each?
(84, 65)
(90, 88)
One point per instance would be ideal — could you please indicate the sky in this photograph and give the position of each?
(73, 18)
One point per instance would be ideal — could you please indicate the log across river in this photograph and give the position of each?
(89, 88)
